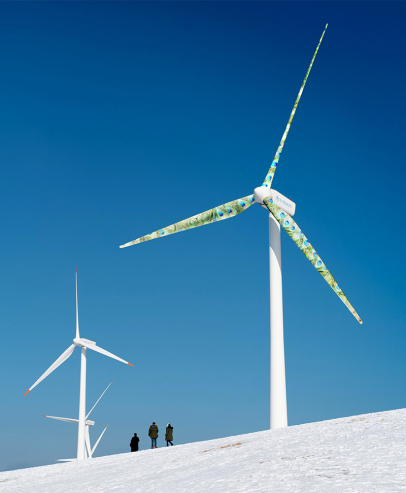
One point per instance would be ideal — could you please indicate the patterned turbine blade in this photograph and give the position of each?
(219, 213)
(293, 230)
(272, 169)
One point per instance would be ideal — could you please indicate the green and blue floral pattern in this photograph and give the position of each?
(293, 230)
(231, 209)
(225, 211)
(272, 169)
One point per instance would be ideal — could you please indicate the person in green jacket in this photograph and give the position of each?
(169, 434)
(153, 434)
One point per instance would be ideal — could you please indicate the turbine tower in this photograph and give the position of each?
(89, 451)
(281, 211)
(84, 344)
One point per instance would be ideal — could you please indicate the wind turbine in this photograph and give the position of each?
(84, 344)
(281, 211)
(89, 450)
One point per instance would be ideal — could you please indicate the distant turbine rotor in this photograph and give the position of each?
(89, 450)
(84, 344)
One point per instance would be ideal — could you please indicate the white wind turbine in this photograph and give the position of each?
(281, 211)
(89, 451)
(84, 344)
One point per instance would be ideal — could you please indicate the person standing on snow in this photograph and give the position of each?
(134, 443)
(153, 434)
(169, 434)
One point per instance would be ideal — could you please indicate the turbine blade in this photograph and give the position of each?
(63, 357)
(225, 211)
(97, 443)
(88, 414)
(102, 351)
(89, 422)
(272, 169)
(77, 311)
(293, 230)
(87, 442)
(69, 420)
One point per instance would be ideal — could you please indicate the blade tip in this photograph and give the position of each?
(26, 392)
(130, 364)
(135, 242)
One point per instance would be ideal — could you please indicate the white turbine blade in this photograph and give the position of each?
(63, 357)
(88, 414)
(77, 311)
(102, 351)
(87, 442)
(97, 443)
(69, 420)
(65, 460)
(89, 422)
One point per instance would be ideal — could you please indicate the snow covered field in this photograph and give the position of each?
(362, 454)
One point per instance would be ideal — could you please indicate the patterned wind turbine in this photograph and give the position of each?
(89, 451)
(281, 211)
(84, 344)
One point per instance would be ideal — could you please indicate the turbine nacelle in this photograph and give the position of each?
(261, 193)
(79, 341)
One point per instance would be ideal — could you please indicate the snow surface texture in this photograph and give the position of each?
(363, 454)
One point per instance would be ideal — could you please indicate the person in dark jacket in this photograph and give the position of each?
(134, 443)
(153, 434)
(169, 434)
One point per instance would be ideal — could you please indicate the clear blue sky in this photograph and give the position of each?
(121, 118)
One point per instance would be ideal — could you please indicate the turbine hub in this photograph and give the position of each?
(260, 193)
(78, 341)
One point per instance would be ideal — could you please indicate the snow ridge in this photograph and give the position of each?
(359, 454)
